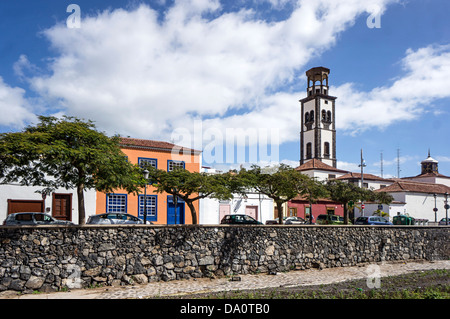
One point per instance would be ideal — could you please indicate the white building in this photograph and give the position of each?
(417, 199)
(315, 168)
(256, 205)
(430, 173)
(61, 204)
(421, 195)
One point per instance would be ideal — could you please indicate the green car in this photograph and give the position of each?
(329, 220)
(403, 220)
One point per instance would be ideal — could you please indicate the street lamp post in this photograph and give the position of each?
(446, 208)
(435, 208)
(145, 196)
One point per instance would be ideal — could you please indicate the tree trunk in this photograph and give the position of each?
(193, 212)
(280, 212)
(81, 209)
(345, 214)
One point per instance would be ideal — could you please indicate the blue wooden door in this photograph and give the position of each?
(175, 216)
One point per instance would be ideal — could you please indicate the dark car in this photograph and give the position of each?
(33, 218)
(372, 220)
(114, 218)
(443, 221)
(239, 219)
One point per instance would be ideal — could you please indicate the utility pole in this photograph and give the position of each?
(362, 165)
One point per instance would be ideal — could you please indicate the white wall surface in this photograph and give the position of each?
(209, 208)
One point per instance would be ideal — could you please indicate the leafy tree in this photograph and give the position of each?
(191, 186)
(312, 190)
(381, 197)
(344, 192)
(281, 185)
(68, 153)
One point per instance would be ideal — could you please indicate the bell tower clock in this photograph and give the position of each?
(318, 128)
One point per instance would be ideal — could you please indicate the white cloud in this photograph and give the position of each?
(15, 109)
(346, 166)
(136, 75)
(426, 70)
(443, 158)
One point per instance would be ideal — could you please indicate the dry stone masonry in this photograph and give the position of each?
(54, 258)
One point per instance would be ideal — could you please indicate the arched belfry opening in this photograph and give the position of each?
(317, 81)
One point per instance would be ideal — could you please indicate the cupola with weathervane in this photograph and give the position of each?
(429, 165)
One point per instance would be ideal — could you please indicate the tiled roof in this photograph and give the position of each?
(151, 144)
(430, 174)
(415, 187)
(316, 164)
(369, 177)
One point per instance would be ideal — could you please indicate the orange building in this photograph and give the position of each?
(160, 206)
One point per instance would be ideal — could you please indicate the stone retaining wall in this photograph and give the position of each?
(53, 258)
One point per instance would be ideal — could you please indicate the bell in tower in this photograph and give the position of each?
(318, 128)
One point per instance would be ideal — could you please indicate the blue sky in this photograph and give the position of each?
(156, 69)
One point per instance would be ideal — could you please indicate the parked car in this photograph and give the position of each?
(403, 220)
(329, 220)
(294, 220)
(33, 218)
(372, 220)
(443, 221)
(239, 219)
(114, 218)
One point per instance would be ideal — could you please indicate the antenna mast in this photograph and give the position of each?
(381, 163)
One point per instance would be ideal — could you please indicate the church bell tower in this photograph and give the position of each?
(318, 125)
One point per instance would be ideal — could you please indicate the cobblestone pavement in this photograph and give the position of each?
(288, 279)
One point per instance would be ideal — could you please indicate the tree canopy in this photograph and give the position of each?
(345, 193)
(66, 152)
(191, 186)
(282, 184)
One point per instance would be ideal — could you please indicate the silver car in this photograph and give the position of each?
(33, 218)
(293, 220)
(114, 218)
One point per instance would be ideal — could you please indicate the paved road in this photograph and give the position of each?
(293, 278)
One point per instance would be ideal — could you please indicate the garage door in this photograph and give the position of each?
(20, 205)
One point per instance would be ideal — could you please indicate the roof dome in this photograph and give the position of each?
(429, 159)
(430, 165)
